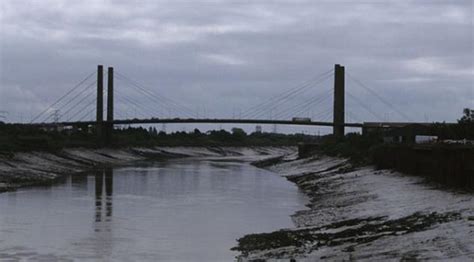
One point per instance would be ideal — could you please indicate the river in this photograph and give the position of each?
(178, 210)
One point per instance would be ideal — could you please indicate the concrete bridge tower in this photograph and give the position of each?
(110, 106)
(339, 104)
(100, 105)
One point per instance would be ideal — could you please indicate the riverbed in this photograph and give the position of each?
(364, 214)
(174, 210)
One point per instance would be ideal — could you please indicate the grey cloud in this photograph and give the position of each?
(225, 56)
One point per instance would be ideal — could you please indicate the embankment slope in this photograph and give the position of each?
(366, 214)
(41, 167)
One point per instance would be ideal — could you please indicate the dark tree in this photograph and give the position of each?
(468, 116)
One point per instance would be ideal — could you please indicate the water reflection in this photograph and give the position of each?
(168, 211)
(103, 204)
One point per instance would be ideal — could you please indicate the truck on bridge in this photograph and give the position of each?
(301, 119)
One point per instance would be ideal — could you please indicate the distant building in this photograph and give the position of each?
(412, 133)
(57, 128)
(258, 129)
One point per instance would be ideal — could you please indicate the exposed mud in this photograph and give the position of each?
(353, 213)
(41, 168)
(364, 214)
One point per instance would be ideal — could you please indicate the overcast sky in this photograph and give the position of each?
(222, 57)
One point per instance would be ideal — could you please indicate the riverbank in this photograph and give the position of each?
(42, 167)
(354, 212)
(366, 214)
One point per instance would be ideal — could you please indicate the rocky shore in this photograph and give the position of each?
(365, 214)
(40, 167)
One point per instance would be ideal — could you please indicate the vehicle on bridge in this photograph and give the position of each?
(301, 119)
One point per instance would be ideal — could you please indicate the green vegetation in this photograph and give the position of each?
(238, 137)
(358, 148)
(464, 129)
(23, 138)
(468, 116)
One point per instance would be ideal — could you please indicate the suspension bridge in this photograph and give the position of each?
(323, 104)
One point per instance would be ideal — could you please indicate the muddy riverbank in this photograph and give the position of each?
(366, 214)
(41, 167)
(354, 212)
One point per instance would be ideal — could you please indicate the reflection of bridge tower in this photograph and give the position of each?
(99, 195)
(338, 113)
(103, 226)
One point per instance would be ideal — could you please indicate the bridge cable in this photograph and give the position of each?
(323, 113)
(86, 114)
(287, 98)
(364, 106)
(128, 99)
(78, 95)
(316, 100)
(302, 106)
(133, 107)
(143, 89)
(295, 89)
(62, 97)
(354, 117)
(82, 110)
(78, 103)
(64, 105)
(262, 107)
(90, 112)
(387, 103)
(155, 98)
(327, 116)
(170, 101)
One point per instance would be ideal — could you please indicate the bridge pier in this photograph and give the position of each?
(100, 106)
(339, 104)
(109, 127)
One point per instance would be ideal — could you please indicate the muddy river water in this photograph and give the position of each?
(179, 210)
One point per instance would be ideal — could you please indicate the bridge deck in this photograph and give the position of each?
(202, 120)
